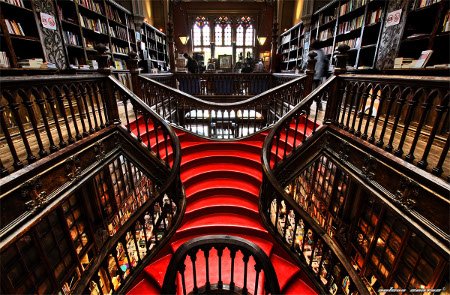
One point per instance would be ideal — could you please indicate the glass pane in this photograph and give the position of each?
(227, 35)
(249, 36)
(206, 32)
(197, 36)
(240, 36)
(218, 33)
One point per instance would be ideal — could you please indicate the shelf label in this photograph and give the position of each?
(48, 21)
(393, 18)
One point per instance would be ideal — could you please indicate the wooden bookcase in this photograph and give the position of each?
(427, 28)
(86, 23)
(153, 49)
(19, 36)
(291, 47)
(357, 23)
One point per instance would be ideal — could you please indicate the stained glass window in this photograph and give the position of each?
(197, 35)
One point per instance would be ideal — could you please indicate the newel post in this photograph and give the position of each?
(337, 92)
(107, 88)
(310, 66)
(135, 71)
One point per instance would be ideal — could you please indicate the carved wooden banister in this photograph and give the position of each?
(90, 139)
(213, 246)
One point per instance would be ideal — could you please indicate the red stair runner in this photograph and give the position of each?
(222, 181)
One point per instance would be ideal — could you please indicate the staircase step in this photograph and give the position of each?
(220, 209)
(157, 269)
(221, 219)
(297, 286)
(212, 191)
(145, 287)
(285, 270)
(223, 200)
(200, 184)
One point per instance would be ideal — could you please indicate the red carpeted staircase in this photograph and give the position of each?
(222, 182)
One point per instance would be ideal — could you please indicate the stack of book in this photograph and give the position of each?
(113, 14)
(4, 60)
(31, 63)
(14, 27)
(403, 62)
(95, 25)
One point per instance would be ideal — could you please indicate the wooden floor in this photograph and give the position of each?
(433, 157)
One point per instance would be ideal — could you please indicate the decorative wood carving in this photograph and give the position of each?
(406, 194)
(52, 40)
(73, 169)
(391, 36)
(32, 189)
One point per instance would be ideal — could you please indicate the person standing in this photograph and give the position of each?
(192, 64)
(321, 68)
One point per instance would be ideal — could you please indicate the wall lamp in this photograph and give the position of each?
(184, 39)
(262, 40)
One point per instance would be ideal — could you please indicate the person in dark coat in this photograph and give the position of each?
(192, 64)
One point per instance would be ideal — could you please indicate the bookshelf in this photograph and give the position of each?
(427, 28)
(357, 23)
(153, 49)
(291, 47)
(20, 42)
(86, 23)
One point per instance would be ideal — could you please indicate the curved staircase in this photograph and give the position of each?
(222, 181)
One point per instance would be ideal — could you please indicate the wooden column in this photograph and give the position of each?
(135, 71)
(273, 52)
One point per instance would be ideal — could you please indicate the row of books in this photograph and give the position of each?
(120, 64)
(326, 19)
(352, 5)
(118, 49)
(71, 38)
(374, 16)
(353, 43)
(14, 28)
(325, 34)
(328, 50)
(15, 2)
(423, 3)
(118, 32)
(113, 14)
(4, 60)
(285, 39)
(90, 44)
(95, 25)
(92, 5)
(351, 25)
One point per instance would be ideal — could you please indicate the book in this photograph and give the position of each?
(4, 60)
(446, 23)
(423, 59)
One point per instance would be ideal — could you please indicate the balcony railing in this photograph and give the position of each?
(224, 120)
(54, 117)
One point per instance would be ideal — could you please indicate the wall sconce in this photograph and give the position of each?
(262, 40)
(184, 39)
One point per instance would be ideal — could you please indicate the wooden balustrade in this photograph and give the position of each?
(280, 212)
(405, 116)
(222, 120)
(215, 249)
(42, 114)
(131, 224)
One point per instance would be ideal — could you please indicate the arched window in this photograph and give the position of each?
(201, 37)
(224, 30)
(245, 37)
